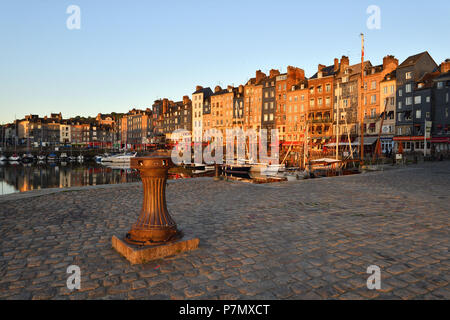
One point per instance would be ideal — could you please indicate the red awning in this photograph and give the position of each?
(410, 138)
(440, 140)
(294, 143)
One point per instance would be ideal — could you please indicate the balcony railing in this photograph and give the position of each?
(323, 120)
(372, 116)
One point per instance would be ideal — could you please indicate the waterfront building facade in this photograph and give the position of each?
(253, 102)
(269, 101)
(388, 89)
(320, 96)
(441, 110)
(413, 101)
(199, 97)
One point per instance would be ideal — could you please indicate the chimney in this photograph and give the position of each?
(186, 100)
(197, 88)
(230, 88)
(274, 73)
(241, 89)
(217, 89)
(259, 76)
(295, 74)
(290, 72)
(345, 62)
(165, 105)
(300, 73)
(320, 67)
(390, 62)
(445, 66)
(336, 64)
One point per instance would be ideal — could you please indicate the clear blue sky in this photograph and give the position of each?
(129, 53)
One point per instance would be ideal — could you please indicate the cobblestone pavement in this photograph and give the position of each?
(311, 239)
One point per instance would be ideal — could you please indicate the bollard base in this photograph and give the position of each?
(139, 255)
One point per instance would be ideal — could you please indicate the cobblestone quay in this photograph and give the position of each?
(311, 239)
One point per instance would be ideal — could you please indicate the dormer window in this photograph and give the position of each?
(408, 75)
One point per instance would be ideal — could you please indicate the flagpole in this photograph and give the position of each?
(361, 154)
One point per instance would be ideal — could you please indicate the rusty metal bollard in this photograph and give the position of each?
(154, 225)
(155, 234)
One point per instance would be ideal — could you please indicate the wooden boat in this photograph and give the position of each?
(325, 167)
(236, 168)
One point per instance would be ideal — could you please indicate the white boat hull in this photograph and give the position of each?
(118, 159)
(267, 169)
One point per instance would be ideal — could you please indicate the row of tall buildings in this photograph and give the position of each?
(341, 102)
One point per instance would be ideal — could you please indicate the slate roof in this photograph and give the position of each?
(327, 71)
(390, 76)
(412, 60)
(223, 91)
(206, 91)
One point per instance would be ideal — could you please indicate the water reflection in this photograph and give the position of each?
(17, 177)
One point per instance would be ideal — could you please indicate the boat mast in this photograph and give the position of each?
(375, 154)
(361, 153)
(337, 123)
(305, 145)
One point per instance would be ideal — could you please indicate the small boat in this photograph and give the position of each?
(27, 158)
(195, 166)
(267, 169)
(72, 158)
(52, 157)
(41, 157)
(3, 158)
(63, 156)
(325, 167)
(80, 158)
(236, 168)
(264, 168)
(99, 158)
(120, 158)
(14, 158)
